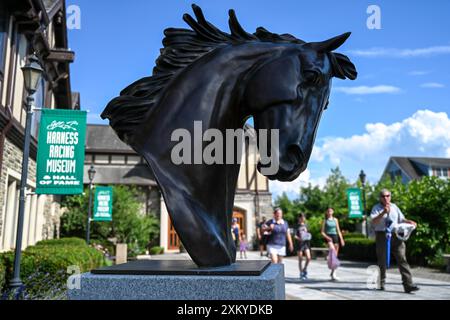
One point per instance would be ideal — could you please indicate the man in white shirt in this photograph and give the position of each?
(386, 214)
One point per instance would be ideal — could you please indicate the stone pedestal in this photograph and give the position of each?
(236, 282)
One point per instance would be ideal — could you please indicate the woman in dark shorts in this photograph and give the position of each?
(262, 236)
(332, 234)
(304, 247)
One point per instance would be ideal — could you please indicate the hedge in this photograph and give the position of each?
(2, 276)
(354, 235)
(62, 241)
(49, 260)
(156, 250)
(361, 249)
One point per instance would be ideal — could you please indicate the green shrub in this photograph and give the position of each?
(359, 249)
(62, 241)
(314, 227)
(2, 274)
(156, 250)
(354, 235)
(438, 262)
(50, 259)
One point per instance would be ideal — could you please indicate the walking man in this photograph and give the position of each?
(386, 215)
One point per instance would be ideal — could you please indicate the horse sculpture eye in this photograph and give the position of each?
(312, 77)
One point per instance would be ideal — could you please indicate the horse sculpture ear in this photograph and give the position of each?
(330, 44)
(342, 67)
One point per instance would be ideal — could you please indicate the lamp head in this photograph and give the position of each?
(32, 73)
(91, 173)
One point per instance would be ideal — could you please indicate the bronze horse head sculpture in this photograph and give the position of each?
(222, 79)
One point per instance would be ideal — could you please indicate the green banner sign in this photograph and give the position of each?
(355, 208)
(60, 159)
(103, 203)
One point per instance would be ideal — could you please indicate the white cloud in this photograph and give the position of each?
(292, 189)
(401, 53)
(363, 90)
(432, 85)
(425, 133)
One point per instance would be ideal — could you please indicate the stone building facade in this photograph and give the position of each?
(26, 27)
(117, 164)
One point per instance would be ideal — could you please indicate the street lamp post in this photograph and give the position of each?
(362, 178)
(91, 173)
(32, 73)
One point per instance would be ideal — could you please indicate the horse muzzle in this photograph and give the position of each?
(291, 165)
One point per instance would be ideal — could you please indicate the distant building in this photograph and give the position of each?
(117, 164)
(28, 26)
(413, 168)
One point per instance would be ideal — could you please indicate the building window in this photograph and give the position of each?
(441, 172)
(9, 220)
(3, 36)
(101, 158)
(118, 159)
(133, 160)
(88, 158)
(18, 101)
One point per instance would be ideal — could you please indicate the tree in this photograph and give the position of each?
(311, 199)
(426, 201)
(335, 192)
(290, 208)
(314, 201)
(128, 226)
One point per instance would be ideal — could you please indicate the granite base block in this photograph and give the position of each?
(267, 286)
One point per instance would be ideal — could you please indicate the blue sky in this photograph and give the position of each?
(399, 105)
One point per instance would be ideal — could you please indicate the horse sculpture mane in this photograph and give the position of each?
(181, 48)
(207, 76)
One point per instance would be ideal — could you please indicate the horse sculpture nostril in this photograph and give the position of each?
(295, 154)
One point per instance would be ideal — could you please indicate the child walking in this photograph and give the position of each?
(243, 245)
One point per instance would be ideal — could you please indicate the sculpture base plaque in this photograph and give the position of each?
(181, 280)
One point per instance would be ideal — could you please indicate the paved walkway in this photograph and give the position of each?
(352, 284)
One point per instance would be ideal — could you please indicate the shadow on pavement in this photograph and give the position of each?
(431, 285)
(356, 264)
(313, 281)
(352, 289)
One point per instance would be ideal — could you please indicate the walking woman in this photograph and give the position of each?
(304, 247)
(332, 235)
(279, 232)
